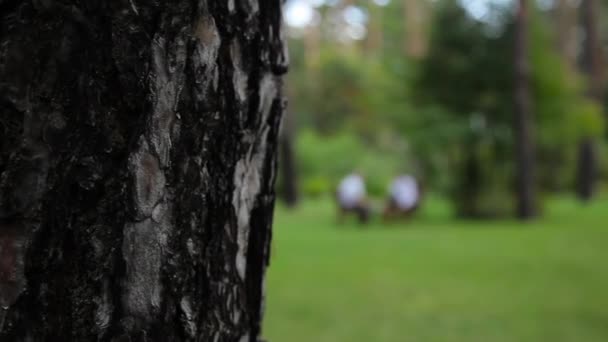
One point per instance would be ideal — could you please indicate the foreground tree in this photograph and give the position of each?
(137, 161)
(525, 158)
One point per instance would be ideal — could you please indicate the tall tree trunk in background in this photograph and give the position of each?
(137, 163)
(567, 31)
(524, 124)
(312, 46)
(593, 58)
(586, 169)
(592, 66)
(375, 37)
(415, 18)
(468, 191)
(287, 162)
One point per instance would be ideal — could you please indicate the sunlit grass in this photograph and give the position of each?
(439, 279)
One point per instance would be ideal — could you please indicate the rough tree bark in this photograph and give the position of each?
(137, 163)
(587, 175)
(524, 125)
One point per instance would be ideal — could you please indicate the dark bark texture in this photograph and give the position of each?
(137, 165)
(524, 124)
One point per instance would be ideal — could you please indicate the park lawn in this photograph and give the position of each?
(439, 279)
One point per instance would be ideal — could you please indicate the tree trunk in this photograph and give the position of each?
(524, 126)
(287, 161)
(587, 170)
(374, 40)
(469, 189)
(137, 164)
(592, 66)
(593, 59)
(415, 41)
(312, 47)
(567, 34)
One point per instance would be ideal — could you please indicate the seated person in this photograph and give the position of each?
(405, 195)
(351, 197)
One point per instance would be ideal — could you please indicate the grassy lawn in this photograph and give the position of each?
(439, 279)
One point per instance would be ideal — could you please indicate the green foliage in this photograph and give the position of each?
(469, 75)
(466, 71)
(563, 113)
(348, 91)
(379, 112)
(324, 160)
(467, 80)
(562, 110)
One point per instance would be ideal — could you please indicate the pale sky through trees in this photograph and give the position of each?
(301, 13)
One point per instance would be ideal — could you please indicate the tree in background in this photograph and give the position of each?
(415, 16)
(137, 166)
(566, 23)
(466, 76)
(593, 55)
(450, 114)
(593, 67)
(465, 93)
(287, 161)
(374, 39)
(524, 122)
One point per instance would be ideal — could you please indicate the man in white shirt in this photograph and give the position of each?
(352, 197)
(404, 196)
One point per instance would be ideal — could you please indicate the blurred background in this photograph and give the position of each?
(498, 109)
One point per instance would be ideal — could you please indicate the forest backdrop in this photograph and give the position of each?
(428, 88)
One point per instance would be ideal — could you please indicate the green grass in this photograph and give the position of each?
(439, 279)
